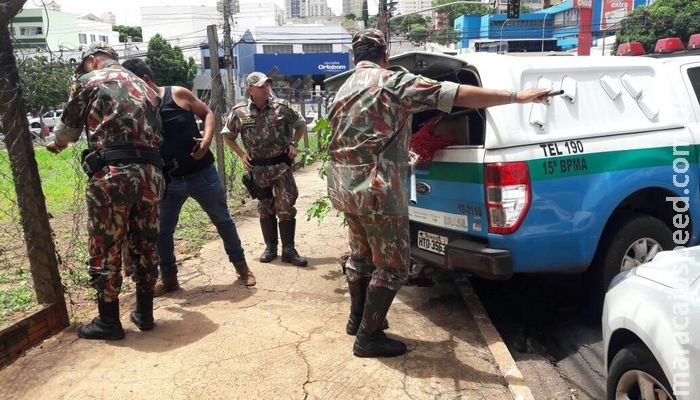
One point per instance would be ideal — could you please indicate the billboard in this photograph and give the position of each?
(613, 11)
(303, 64)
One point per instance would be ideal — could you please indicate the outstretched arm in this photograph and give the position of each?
(477, 97)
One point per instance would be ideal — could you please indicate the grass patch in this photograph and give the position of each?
(16, 298)
(62, 179)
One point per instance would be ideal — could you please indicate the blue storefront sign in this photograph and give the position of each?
(303, 64)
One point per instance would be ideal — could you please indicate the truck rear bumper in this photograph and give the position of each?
(470, 257)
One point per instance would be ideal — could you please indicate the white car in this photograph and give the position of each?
(651, 329)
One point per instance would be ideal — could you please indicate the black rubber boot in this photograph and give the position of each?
(289, 253)
(358, 295)
(371, 340)
(143, 315)
(269, 230)
(106, 326)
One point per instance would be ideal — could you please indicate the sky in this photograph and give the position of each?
(128, 12)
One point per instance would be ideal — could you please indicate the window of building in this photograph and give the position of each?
(82, 38)
(317, 48)
(104, 39)
(92, 38)
(207, 63)
(31, 30)
(277, 49)
(566, 18)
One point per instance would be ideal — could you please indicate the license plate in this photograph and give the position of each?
(432, 242)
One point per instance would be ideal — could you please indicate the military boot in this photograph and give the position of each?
(143, 315)
(168, 283)
(268, 226)
(371, 340)
(358, 295)
(289, 253)
(106, 326)
(244, 273)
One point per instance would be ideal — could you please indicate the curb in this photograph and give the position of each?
(504, 360)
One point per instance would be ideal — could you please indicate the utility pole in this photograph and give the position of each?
(217, 99)
(228, 56)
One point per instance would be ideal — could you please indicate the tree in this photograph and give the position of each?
(350, 16)
(405, 24)
(456, 11)
(371, 21)
(169, 65)
(44, 83)
(445, 37)
(663, 18)
(124, 31)
(418, 33)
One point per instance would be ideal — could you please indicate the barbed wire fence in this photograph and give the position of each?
(26, 241)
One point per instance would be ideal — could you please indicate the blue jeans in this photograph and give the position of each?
(205, 188)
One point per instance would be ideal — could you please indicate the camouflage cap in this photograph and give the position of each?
(257, 79)
(368, 38)
(96, 47)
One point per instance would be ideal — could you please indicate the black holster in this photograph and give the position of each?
(255, 191)
(91, 161)
(250, 185)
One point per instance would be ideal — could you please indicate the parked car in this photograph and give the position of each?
(651, 329)
(49, 119)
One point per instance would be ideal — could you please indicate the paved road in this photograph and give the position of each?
(554, 342)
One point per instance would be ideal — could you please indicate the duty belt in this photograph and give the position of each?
(93, 161)
(282, 158)
(137, 155)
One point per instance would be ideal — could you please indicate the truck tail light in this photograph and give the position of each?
(508, 195)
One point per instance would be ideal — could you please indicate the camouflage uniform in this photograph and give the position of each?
(266, 134)
(116, 108)
(269, 127)
(371, 123)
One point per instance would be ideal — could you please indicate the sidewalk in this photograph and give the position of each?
(283, 339)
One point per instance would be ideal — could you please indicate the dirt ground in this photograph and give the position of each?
(282, 339)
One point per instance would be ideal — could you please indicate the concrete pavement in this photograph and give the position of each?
(283, 339)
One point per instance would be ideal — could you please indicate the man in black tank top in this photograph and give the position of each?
(191, 174)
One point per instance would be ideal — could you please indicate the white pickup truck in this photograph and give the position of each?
(49, 118)
(600, 179)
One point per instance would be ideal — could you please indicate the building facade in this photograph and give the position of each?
(354, 7)
(404, 7)
(306, 53)
(57, 35)
(307, 8)
(555, 28)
